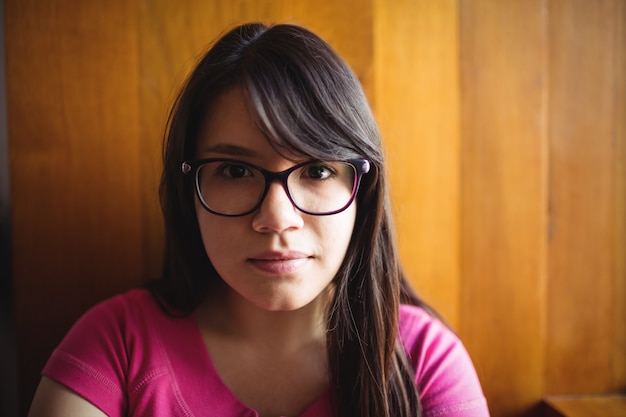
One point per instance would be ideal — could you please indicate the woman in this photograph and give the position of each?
(282, 294)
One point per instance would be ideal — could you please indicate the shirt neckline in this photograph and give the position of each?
(192, 368)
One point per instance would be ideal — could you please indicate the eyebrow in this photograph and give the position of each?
(229, 150)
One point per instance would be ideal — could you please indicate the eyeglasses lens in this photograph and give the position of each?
(234, 188)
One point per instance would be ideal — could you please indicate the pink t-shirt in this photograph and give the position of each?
(129, 358)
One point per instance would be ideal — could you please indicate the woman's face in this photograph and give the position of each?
(276, 258)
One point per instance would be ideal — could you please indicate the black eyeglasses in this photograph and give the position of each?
(229, 187)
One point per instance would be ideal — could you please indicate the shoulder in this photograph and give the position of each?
(119, 308)
(428, 342)
(98, 356)
(116, 319)
(123, 305)
(444, 373)
(418, 328)
(116, 326)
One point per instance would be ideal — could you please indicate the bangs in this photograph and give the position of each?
(310, 108)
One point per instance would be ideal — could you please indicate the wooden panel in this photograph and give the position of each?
(586, 258)
(503, 197)
(73, 111)
(586, 406)
(417, 106)
(619, 185)
(495, 116)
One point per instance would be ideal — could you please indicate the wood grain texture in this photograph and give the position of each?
(503, 197)
(504, 124)
(417, 106)
(586, 406)
(73, 124)
(586, 286)
(619, 215)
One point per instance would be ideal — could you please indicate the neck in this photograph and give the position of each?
(226, 314)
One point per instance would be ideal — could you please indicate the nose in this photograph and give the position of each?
(277, 213)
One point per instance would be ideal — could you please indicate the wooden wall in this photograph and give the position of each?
(505, 126)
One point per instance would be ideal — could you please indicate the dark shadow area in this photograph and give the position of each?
(8, 355)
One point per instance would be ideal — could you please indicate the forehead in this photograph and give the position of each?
(228, 121)
(228, 129)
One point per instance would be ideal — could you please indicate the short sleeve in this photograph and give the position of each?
(444, 373)
(92, 359)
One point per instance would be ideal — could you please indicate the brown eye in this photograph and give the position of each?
(234, 171)
(318, 171)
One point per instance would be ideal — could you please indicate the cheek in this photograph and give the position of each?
(214, 232)
(338, 232)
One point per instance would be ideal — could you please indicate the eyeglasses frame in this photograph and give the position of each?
(361, 166)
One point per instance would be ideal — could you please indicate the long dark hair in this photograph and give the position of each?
(306, 100)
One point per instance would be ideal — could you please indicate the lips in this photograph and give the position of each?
(279, 263)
